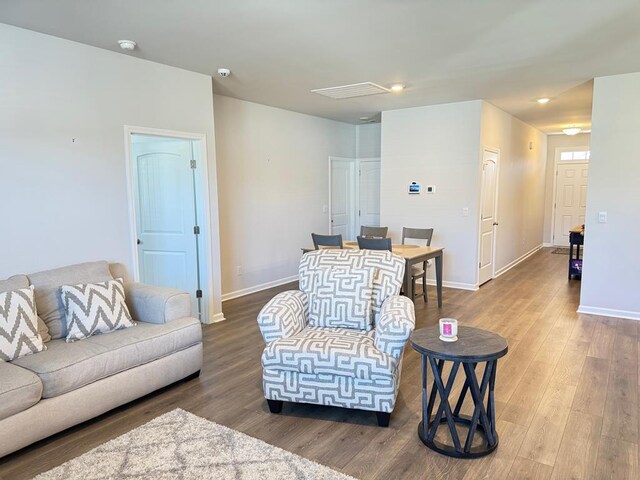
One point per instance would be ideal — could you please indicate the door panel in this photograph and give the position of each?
(165, 214)
(488, 215)
(342, 198)
(571, 199)
(370, 193)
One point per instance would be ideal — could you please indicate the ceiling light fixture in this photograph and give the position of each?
(397, 87)
(571, 130)
(127, 44)
(543, 100)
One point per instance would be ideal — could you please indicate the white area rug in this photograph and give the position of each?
(180, 445)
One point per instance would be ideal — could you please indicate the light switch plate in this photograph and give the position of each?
(325, 208)
(465, 211)
(602, 217)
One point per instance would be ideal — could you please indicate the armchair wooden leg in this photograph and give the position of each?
(383, 418)
(275, 406)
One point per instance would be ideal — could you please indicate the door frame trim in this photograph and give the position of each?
(496, 151)
(206, 259)
(556, 162)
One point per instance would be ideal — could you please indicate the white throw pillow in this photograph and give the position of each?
(19, 325)
(342, 297)
(93, 308)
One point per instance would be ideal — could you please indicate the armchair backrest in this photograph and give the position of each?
(389, 270)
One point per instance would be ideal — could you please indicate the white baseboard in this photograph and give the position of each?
(457, 285)
(218, 317)
(258, 288)
(547, 244)
(517, 261)
(609, 312)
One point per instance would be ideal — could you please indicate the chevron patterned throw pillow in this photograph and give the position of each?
(94, 308)
(342, 297)
(19, 325)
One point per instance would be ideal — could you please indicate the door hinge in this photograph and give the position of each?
(359, 213)
(196, 230)
(479, 264)
(198, 293)
(193, 164)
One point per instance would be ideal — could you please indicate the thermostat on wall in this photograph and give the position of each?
(414, 188)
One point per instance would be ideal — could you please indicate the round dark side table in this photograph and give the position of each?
(473, 346)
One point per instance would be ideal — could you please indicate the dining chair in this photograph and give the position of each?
(326, 241)
(417, 272)
(374, 243)
(373, 232)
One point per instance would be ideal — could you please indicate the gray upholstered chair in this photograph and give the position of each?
(326, 241)
(338, 340)
(373, 232)
(418, 271)
(365, 243)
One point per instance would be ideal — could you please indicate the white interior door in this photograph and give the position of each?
(165, 213)
(488, 221)
(369, 208)
(571, 199)
(342, 197)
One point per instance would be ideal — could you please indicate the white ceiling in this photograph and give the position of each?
(505, 51)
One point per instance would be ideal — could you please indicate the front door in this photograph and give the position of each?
(488, 221)
(342, 197)
(165, 213)
(370, 193)
(571, 200)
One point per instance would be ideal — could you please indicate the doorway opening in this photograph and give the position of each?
(354, 195)
(569, 191)
(169, 210)
(488, 215)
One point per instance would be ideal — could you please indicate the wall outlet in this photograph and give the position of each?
(602, 217)
(239, 270)
(465, 211)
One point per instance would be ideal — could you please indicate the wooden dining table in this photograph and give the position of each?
(413, 255)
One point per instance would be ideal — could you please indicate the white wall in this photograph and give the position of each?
(62, 147)
(273, 181)
(553, 142)
(610, 282)
(521, 184)
(436, 145)
(368, 140)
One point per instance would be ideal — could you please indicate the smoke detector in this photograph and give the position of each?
(224, 72)
(127, 44)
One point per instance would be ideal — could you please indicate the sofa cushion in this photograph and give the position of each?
(48, 284)
(341, 298)
(19, 389)
(19, 325)
(95, 308)
(21, 281)
(65, 367)
(335, 351)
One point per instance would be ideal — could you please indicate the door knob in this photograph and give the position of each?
(495, 224)
(139, 242)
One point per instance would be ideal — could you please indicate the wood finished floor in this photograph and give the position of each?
(567, 393)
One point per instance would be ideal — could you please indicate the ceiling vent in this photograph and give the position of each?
(351, 91)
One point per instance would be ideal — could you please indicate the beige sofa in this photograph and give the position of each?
(69, 383)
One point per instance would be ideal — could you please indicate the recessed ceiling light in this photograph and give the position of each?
(543, 100)
(571, 130)
(127, 44)
(397, 87)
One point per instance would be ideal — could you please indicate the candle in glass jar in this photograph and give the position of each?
(448, 329)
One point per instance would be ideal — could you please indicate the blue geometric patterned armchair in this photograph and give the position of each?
(338, 340)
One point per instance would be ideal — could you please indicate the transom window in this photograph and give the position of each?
(575, 155)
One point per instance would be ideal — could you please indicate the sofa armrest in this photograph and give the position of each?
(284, 315)
(151, 304)
(395, 324)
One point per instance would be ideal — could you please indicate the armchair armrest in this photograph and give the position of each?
(395, 323)
(283, 316)
(153, 304)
